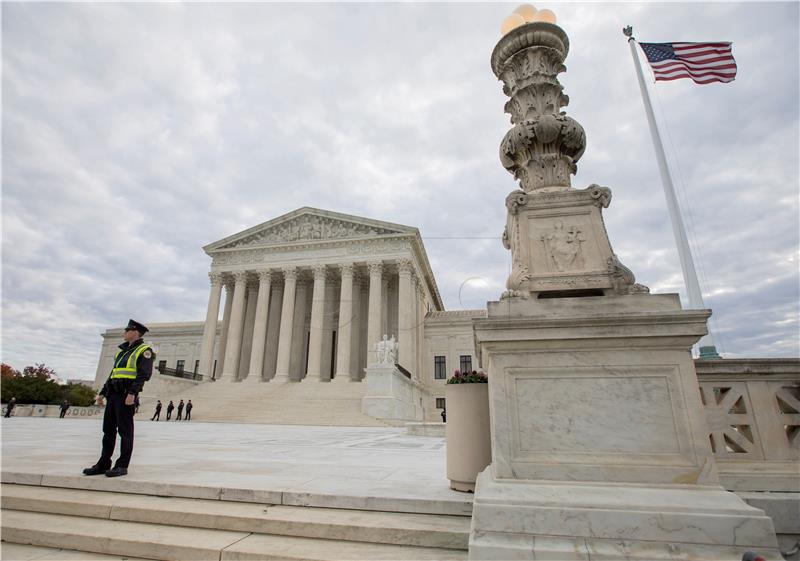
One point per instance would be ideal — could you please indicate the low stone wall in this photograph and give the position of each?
(426, 429)
(23, 410)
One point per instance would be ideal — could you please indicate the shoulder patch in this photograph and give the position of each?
(148, 354)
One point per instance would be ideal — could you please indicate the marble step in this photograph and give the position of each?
(303, 403)
(424, 530)
(158, 541)
(20, 552)
(372, 496)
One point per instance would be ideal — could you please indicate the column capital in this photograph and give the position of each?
(215, 279)
(375, 268)
(405, 266)
(320, 272)
(227, 280)
(346, 269)
(240, 277)
(264, 275)
(289, 273)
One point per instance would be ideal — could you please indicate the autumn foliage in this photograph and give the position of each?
(38, 384)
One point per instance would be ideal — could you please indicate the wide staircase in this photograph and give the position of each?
(291, 403)
(148, 526)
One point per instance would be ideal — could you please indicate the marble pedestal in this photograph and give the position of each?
(390, 395)
(599, 442)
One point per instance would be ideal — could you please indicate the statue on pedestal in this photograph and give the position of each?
(386, 350)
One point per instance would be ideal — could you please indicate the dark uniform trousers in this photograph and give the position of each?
(118, 417)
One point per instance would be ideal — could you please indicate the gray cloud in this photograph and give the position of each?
(134, 134)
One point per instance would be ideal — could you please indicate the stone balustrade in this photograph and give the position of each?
(753, 412)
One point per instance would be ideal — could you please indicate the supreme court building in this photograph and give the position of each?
(308, 296)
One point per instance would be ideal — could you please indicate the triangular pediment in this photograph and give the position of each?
(309, 225)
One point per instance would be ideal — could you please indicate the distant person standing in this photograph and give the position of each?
(64, 407)
(170, 407)
(180, 411)
(133, 366)
(157, 415)
(189, 410)
(444, 415)
(10, 406)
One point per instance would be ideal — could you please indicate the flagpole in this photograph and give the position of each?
(706, 344)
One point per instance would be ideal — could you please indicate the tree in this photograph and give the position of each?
(39, 371)
(36, 384)
(80, 395)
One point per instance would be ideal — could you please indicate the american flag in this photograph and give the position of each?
(702, 62)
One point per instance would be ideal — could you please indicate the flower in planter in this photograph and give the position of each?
(474, 377)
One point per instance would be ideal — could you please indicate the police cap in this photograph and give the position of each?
(133, 324)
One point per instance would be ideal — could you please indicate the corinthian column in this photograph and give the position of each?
(406, 314)
(374, 323)
(210, 328)
(233, 346)
(420, 346)
(314, 371)
(260, 327)
(346, 317)
(287, 318)
(226, 323)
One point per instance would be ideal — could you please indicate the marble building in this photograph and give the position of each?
(307, 297)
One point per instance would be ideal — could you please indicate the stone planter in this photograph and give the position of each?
(469, 447)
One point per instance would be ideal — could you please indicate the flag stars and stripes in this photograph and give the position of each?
(701, 62)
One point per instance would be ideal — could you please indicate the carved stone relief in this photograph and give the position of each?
(310, 228)
(563, 247)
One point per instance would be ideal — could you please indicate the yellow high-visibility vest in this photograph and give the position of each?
(126, 369)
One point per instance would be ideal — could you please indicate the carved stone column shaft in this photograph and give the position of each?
(260, 327)
(226, 324)
(287, 317)
(233, 347)
(315, 341)
(374, 321)
(406, 315)
(210, 327)
(345, 331)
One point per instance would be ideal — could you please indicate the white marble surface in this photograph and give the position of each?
(598, 396)
(648, 517)
(604, 412)
(342, 467)
(390, 395)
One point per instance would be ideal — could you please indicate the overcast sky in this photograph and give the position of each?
(135, 134)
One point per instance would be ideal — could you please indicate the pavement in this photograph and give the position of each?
(373, 468)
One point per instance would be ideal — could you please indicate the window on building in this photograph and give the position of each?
(439, 403)
(439, 368)
(180, 365)
(196, 365)
(162, 364)
(465, 363)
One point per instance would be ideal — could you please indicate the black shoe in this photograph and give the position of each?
(94, 470)
(116, 472)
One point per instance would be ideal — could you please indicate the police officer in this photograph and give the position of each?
(133, 366)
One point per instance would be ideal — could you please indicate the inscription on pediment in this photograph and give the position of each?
(310, 228)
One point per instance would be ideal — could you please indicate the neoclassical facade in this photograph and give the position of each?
(306, 298)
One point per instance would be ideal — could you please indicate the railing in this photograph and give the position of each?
(753, 415)
(403, 371)
(179, 373)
